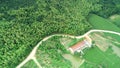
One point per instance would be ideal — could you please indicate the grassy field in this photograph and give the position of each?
(101, 23)
(115, 19)
(95, 58)
(30, 64)
(74, 41)
(113, 38)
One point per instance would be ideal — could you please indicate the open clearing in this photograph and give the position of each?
(101, 23)
(30, 64)
(115, 19)
(98, 38)
(75, 61)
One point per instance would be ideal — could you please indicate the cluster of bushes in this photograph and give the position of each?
(50, 54)
(108, 8)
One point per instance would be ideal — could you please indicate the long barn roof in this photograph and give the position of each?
(78, 45)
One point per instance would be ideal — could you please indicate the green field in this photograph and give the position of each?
(95, 58)
(74, 41)
(101, 23)
(115, 19)
(30, 64)
(115, 38)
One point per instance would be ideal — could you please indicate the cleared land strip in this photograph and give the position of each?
(33, 52)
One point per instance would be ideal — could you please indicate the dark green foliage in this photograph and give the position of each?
(109, 7)
(32, 20)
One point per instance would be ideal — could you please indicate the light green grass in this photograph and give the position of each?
(101, 23)
(114, 38)
(30, 64)
(115, 19)
(74, 41)
(5, 23)
(95, 58)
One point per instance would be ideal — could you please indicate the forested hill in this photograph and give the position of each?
(25, 22)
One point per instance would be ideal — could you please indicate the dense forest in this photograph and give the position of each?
(23, 23)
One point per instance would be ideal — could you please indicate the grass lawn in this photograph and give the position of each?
(30, 64)
(115, 19)
(113, 38)
(95, 58)
(101, 23)
(74, 41)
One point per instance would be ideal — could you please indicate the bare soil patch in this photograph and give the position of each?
(65, 42)
(100, 41)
